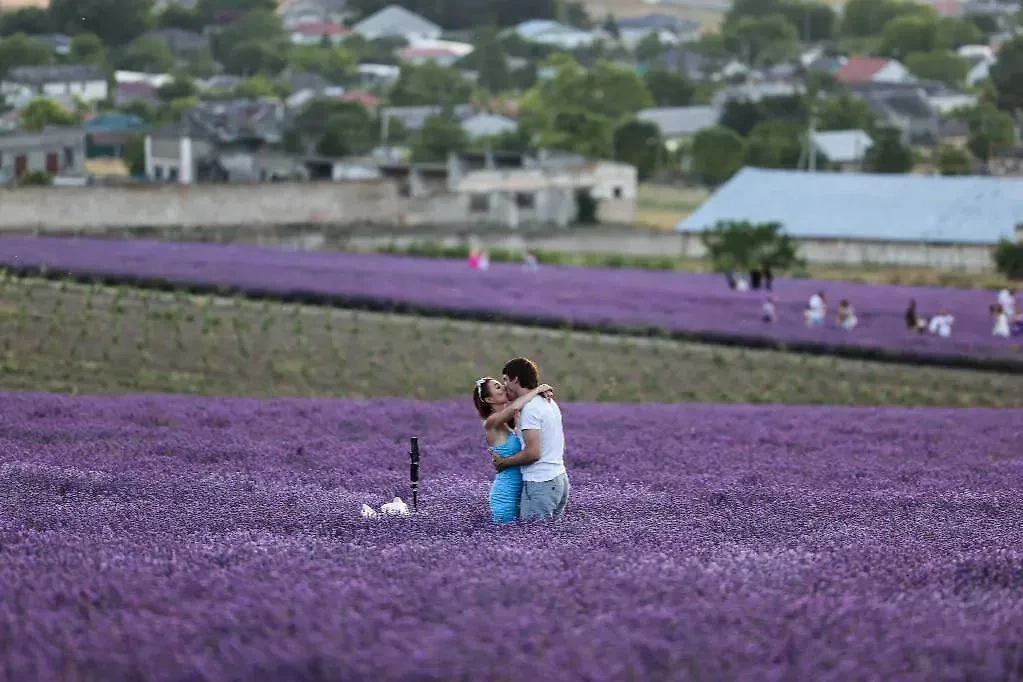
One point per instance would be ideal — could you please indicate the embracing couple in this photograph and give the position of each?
(522, 424)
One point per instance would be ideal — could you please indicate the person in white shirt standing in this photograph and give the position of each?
(545, 484)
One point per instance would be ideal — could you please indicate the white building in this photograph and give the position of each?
(871, 219)
(88, 83)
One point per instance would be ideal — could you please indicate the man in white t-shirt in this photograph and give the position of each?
(545, 484)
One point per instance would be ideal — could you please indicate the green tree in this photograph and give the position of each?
(148, 54)
(20, 50)
(845, 112)
(27, 20)
(717, 154)
(991, 131)
(206, 10)
(905, 35)
(336, 64)
(954, 161)
(814, 21)
(649, 48)
(429, 84)
(259, 85)
(490, 61)
(1008, 259)
(938, 65)
(580, 131)
(742, 245)
(867, 18)
(256, 56)
(42, 112)
(343, 128)
(743, 115)
(116, 22)
(87, 48)
(175, 15)
(1007, 75)
(889, 154)
(438, 137)
(954, 33)
(181, 86)
(260, 26)
(639, 143)
(762, 40)
(669, 89)
(776, 144)
(135, 155)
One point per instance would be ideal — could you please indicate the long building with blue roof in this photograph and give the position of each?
(858, 218)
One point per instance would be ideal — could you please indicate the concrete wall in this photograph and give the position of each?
(635, 242)
(969, 257)
(93, 208)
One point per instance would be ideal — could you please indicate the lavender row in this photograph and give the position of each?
(166, 538)
(685, 304)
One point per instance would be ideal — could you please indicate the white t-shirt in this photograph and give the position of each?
(816, 303)
(545, 415)
(1001, 325)
(1007, 302)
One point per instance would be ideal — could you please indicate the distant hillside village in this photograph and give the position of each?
(506, 104)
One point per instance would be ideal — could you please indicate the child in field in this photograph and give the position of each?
(914, 323)
(941, 324)
(846, 316)
(769, 311)
(816, 310)
(1001, 327)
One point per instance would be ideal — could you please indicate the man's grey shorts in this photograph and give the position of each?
(544, 499)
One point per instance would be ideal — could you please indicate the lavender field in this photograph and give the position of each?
(167, 538)
(675, 302)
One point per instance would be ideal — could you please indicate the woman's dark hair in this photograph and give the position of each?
(524, 370)
(480, 393)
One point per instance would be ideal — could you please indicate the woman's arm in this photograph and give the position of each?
(506, 415)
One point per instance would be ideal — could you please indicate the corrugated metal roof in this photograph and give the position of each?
(872, 207)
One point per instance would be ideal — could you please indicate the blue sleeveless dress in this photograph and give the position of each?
(507, 485)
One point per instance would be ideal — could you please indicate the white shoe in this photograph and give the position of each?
(396, 507)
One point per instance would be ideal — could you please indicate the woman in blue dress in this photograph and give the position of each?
(498, 417)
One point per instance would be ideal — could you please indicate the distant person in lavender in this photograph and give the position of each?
(1007, 300)
(941, 324)
(769, 313)
(499, 417)
(914, 322)
(530, 262)
(846, 316)
(816, 310)
(545, 484)
(1001, 320)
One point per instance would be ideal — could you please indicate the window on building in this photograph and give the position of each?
(618, 192)
(69, 157)
(52, 163)
(158, 172)
(172, 174)
(20, 165)
(525, 199)
(479, 203)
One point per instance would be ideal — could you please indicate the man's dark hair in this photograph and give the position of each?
(524, 370)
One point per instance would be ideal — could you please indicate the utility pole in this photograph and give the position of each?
(811, 148)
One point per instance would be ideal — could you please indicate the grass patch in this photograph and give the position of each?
(73, 338)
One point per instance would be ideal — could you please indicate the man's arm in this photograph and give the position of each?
(530, 452)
